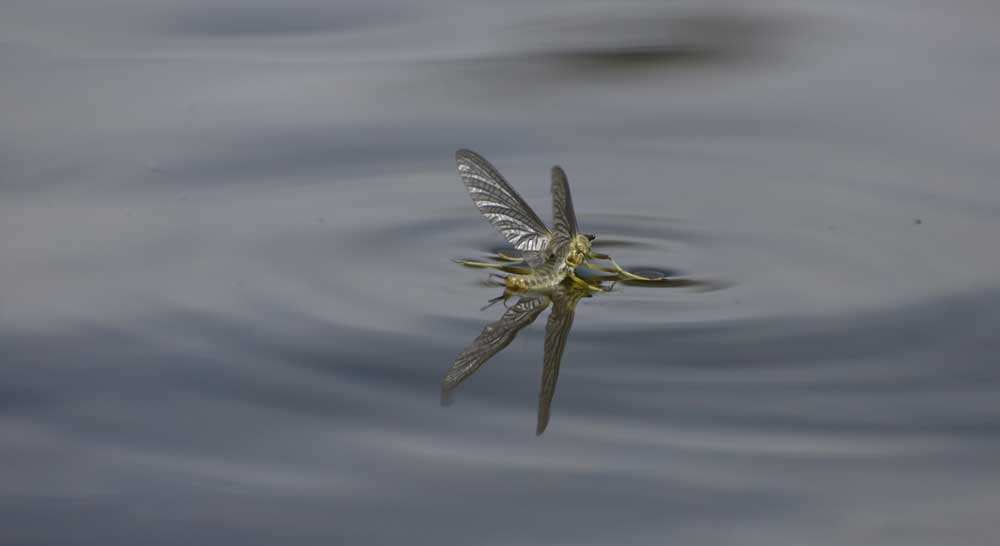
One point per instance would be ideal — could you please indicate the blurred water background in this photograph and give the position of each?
(227, 300)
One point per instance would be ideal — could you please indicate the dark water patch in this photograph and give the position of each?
(615, 44)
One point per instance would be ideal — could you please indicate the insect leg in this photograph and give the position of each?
(584, 284)
(507, 258)
(500, 267)
(621, 271)
(596, 267)
(502, 297)
(470, 263)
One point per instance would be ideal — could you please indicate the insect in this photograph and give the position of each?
(552, 256)
(543, 276)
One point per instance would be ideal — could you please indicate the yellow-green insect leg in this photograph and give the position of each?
(619, 270)
(499, 267)
(584, 284)
(601, 268)
(470, 263)
(507, 258)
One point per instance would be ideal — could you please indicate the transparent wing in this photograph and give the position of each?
(556, 332)
(500, 204)
(564, 226)
(492, 340)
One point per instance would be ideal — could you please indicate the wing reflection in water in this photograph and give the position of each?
(499, 334)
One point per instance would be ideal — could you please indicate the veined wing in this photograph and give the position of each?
(556, 332)
(500, 204)
(564, 226)
(492, 340)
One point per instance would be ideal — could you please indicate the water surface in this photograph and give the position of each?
(227, 299)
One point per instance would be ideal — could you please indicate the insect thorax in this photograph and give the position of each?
(579, 251)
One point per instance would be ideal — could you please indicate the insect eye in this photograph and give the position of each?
(590, 236)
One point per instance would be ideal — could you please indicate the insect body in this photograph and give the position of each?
(547, 275)
(552, 255)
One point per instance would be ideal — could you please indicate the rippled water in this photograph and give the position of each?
(227, 299)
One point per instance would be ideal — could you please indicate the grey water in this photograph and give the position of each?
(227, 299)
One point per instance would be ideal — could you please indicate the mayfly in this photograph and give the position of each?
(552, 256)
(544, 275)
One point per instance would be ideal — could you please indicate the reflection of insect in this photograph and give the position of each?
(499, 334)
(552, 256)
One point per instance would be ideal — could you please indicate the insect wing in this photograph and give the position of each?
(564, 226)
(556, 332)
(492, 340)
(500, 204)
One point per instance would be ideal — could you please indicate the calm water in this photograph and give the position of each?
(227, 299)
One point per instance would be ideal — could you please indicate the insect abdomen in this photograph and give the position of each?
(546, 276)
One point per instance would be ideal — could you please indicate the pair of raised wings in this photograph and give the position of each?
(511, 215)
(498, 335)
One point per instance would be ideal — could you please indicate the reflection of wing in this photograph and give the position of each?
(492, 340)
(500, 204)
(563, 216)
(556, 331)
